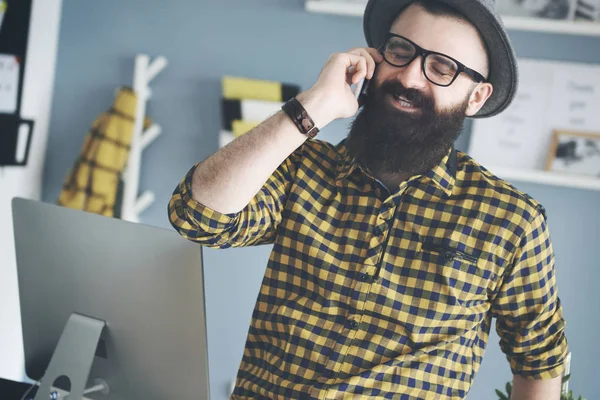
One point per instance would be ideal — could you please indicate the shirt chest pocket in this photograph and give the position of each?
(460, 276)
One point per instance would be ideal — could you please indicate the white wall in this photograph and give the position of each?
(26, 181)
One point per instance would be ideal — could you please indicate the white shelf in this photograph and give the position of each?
(547, 178)
(351, 8)
(551, 26)
(357, 8)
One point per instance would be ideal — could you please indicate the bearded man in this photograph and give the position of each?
(392, 251)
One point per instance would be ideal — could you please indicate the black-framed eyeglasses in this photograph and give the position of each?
(438, 68)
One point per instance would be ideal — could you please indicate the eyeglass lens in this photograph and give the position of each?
(438, 68)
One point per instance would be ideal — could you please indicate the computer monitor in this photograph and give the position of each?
(145, 282)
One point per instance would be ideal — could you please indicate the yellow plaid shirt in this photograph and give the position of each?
(376, 294)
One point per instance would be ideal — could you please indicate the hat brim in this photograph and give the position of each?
(380, 14)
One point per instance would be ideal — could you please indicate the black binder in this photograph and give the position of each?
(13, 41)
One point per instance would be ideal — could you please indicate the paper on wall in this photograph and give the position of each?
(508, 138)
(551, 95)
(9, 83)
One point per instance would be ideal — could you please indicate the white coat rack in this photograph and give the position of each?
(145, 71)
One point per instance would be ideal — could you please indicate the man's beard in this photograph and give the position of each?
(389, 140)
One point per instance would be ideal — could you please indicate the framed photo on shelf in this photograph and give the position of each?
(587, 10)
(550, 9)
(575, 152)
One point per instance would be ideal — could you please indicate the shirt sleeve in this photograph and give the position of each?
(527, 308)
(254, 225)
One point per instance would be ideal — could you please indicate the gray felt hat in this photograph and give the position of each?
(380, 14)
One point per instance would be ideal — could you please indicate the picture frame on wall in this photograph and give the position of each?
(587, 10)
(575, 152)
(549, 9)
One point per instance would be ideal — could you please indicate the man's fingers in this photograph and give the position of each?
(356, 65)
(372, 57)
(361, 70)
(375, 54)
(368, 58)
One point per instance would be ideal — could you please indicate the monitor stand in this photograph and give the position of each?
(73, 356)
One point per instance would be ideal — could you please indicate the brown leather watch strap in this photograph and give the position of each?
(298, 114)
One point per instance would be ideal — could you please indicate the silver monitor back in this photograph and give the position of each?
(145, 282)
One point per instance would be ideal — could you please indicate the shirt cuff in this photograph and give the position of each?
(553, 372)
(554, 364)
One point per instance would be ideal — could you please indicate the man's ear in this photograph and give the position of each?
(478, 97)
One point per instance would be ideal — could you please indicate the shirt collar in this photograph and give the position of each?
(345, 163)
(443, 175)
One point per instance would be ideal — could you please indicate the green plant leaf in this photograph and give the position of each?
(508, 388)
(501, 396)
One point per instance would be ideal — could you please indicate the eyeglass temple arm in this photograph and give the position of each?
(473, 74)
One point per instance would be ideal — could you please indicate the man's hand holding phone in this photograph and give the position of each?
(332, 97)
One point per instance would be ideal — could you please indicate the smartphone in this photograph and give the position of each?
(361, 91)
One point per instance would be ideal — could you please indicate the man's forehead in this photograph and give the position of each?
(445, 34)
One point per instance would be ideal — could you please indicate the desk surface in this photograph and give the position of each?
(10, 390)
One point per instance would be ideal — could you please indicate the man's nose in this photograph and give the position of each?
(412, 75)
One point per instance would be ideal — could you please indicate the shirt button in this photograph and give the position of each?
(449, 256)
(377, 231)
(386, 209)
(365, 277)
(329, 374)
(352, 324)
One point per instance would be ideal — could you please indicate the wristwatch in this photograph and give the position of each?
(300, 117)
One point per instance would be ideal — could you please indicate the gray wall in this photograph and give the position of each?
(274, 39)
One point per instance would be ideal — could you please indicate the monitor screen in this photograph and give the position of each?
(145, 282)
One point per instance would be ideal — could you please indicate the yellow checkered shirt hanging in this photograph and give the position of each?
(93, 183)
(375, 294)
